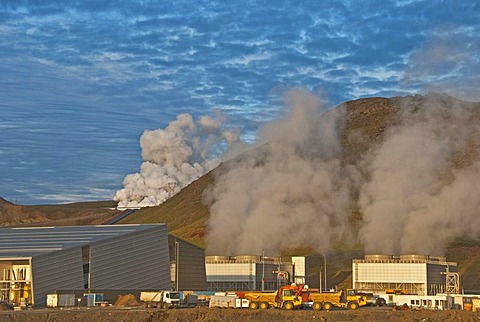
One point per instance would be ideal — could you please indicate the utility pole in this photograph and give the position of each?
(177, 255)
(325, 269)
(320, 279)
(263, 270)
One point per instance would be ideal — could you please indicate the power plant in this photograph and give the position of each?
(41, 263)
(252, 272)
(408, 274)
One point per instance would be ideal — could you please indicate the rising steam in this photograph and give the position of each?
(423, 181)
(416, 189)
(174, 157)
(294, 192)
(412, 190)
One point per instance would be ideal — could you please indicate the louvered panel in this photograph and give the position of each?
(191, 273)
(55, 271)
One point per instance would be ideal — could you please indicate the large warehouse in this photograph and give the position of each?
(405, 274)
(38, 261)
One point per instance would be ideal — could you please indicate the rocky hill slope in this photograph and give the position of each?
(83, 213)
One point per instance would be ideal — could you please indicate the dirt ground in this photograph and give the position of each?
(113, 314)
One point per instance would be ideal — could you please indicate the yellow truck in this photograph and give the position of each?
(342, 299)
(285, 298)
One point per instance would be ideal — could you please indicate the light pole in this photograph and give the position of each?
(320, 278)
(263, 270)
(325, 270)
(177, 255)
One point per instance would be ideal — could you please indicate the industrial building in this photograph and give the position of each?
(111, 259)
(187, 265)
(253, 272)
(405, 274)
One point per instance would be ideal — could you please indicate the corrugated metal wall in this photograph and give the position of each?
(191, 265)
(60, 270)
(139, 260)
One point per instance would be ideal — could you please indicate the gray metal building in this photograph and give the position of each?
(41, 260)
(190, 261)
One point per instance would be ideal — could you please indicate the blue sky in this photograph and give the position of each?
(81, 80)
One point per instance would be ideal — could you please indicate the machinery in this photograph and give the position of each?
(285, 297)
(341, 299)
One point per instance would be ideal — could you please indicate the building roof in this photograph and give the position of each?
(33, 241)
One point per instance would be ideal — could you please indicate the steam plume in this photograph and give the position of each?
(293, 192)
(416, 189)
(173, 157)
(421, 192)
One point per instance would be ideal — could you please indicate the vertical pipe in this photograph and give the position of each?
(31, 295)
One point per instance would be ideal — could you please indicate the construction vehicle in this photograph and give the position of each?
(285, 297)
(341, 299)
(160, 299)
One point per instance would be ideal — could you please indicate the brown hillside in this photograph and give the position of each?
(84, 213)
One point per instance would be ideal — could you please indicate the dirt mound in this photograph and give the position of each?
(126, 300)
(4, 306)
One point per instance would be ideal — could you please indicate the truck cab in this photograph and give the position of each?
(352, 296)
(160, 299)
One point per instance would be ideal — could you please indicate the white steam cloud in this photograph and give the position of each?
(416, 190)
(173, 158)
(424, 182)
(294, 192)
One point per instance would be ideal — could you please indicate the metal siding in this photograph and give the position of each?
(191, 273)
(54, 271)
(434, 274)
(391, 272)
(36, 241)
(139, 260)
(230, 272)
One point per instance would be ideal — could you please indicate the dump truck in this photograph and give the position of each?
(341, 299)
(285, 297)
(160, 299)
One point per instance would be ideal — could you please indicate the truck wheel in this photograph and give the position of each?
(353, 305)
(288, 306)
(253, 305)
(165, 305)
(327, 306)
(317, 306)
(263, 305)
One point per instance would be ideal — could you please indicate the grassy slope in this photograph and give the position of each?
(185, 214)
